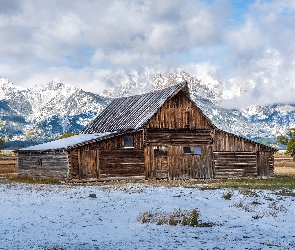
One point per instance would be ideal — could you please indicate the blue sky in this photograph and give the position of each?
(97, 44)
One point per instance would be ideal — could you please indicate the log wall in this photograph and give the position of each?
(8, 164)
(225, 142)
(230, 164)
(44, 165)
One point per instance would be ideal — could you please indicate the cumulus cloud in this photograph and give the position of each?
(98, 42)
(262, 50)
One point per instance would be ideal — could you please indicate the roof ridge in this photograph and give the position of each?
(131, 112)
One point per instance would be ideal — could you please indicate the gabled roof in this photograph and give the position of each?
(132, 113)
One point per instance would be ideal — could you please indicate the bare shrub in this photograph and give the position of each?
(227, 195)
(248, 192)
(177, 217)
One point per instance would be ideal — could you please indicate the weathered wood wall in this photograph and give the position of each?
(8, 164)
(108, 159)
(179, 112)
(182, 136)
(176, 165)
(121, 163)
(225, 142)
(230, 164)
(44, 165)
(165, 157)
(265, 163)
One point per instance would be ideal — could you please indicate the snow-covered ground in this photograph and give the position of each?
(67, 217)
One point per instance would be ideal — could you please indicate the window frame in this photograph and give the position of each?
(127, 140)
(197, 150)
(186, 148)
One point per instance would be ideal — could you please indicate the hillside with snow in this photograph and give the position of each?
(43, 113)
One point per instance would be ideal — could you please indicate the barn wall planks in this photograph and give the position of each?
(8, 164)
(108, 158)
(230, 164)
(179, 112)
(265, 163)
(121, 162)
(178, 136)
(46, 165)
(224, 141)
(177, 165)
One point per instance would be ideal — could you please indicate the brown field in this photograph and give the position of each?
(284, 165)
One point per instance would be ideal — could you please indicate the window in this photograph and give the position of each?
(128, 141)
(197, 150)
(187, 150)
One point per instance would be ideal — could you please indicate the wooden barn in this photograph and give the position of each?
(162, 134)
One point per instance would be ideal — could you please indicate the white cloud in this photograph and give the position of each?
(99, 42)
(201, 69)
(98, 57)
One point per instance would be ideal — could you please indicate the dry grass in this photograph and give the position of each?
(15, 178)
(284, 166)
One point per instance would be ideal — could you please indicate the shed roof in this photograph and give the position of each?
(67, 142)
(133, 112)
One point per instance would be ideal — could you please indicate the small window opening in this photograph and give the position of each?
(197, 150)
(128, 141)
(187, 150)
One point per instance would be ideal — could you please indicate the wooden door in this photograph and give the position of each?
(88, 167)
(161, 163)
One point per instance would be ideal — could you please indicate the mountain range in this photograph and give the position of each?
(43, 113)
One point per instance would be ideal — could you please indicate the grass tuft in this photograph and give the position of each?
(177, 217)
(29, 180)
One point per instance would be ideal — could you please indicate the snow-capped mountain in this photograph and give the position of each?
(56, 98)
(43, 113)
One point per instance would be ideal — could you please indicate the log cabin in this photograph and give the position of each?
(162, 134)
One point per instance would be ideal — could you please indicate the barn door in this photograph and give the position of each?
(88, 164)
(161, 162)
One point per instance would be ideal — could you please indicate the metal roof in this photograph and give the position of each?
(131, 113)
(67, 142)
